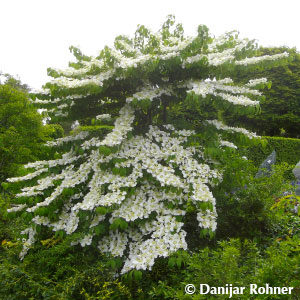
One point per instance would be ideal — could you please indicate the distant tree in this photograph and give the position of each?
(280, 111)
(8, 79)
(22, 133)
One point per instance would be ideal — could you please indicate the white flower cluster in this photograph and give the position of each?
(218, 41)
(129, 62)
(121, 61)
(96, 220)
(207, 219)
(70, 72)
(185, 132)
(238, 100)
(254, 82)
(27, 243)
(58, 142)
(165, 175)
(59, 113)
(140, 153)
(206, 87)
(217, 58)
(67, 221)
(115, 243)
(62, 106)
(74, 83)
(148, 93)
(28, 176)
(43, 184)
(201, 192)
(103, 117)
(167, 236)
(66, 159)
(257, 59)
(125, 46)
(178, 44)
(123, 125)
(135, 206)
(75, 124)
(86, 241)
(228, 144)
(17, 208)
(56, 100)
(41, 110)
(219, 125)
(90, 143)
(39, 101)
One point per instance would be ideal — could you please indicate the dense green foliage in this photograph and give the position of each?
(22, 133)
(287, 150)
(280, 111)
(245, 212)
(234, 261)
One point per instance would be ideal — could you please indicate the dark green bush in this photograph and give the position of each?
(287, 150)
(245, 212)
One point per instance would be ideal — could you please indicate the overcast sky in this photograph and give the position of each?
(36, 34)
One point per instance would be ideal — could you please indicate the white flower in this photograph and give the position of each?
(219, 125)
(103, 117)
(75, 125)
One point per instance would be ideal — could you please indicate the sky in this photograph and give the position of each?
(36, 34)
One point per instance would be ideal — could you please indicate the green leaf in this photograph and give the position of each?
(171, 262)
(101, 210)
(100, 229)
(179, 262)
(116, 171)
(269, 84)
(104, 150)
(123, 224)
(130, 275)
(112, 263)
(115, 224)
(5, 185)
(60, 234)
(137, 275)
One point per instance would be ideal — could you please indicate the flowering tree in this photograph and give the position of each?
(126, 182)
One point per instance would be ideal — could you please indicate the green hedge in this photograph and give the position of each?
(287, 150)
